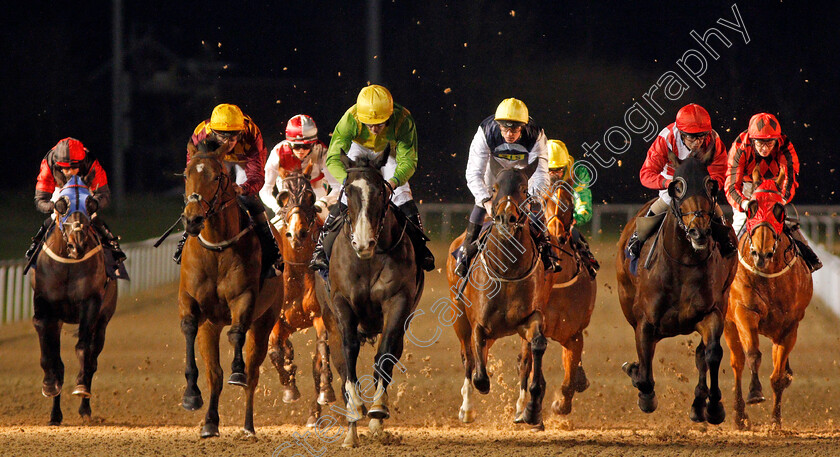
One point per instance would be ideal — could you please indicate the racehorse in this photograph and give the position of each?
(374, 286)
(685, 289)
(301, 308)
(571, 300)
(70, 286)
(769, 296)
(503, 295)
(220, 285)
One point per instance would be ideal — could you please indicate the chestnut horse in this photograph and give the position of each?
(220, 285)
(301, 308)
(70, 286)
(769, 296)
(374, 286)
(503, 294)
(571, 300)
(686, 289)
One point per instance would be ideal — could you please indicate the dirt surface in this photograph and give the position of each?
(137, 395)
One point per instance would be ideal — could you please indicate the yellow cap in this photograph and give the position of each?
(512, 110)
(227, 118)
(374, 105)
(558, 154)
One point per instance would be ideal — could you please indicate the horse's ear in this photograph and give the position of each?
(756, 177)
(531, 168)
(62, 205)
(712, 187)
(346, 160)
(91, 205)
(752, 208)
(192, 149)
(283, 197)
(677, 188)
(782, 177)
(308, 169)
(779, 212)
(380, 161)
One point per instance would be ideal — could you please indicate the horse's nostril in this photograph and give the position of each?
(288, 234)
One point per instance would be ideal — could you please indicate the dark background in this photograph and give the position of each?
(578, 66)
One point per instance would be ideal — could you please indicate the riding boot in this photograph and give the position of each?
(724, 235)
(543, 242)
(271, 258)
(425, 258)
(320, 261)
(582, 247)
(645, 227)
(180, 248)
(805, 251)
(111, 241)
(38, 238)
(468, 249)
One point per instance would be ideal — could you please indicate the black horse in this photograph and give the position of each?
(70, 286)
(375, 285)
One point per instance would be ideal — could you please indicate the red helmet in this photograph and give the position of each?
(764, 126)
(69, 152)
(301, 129)
(693, 118)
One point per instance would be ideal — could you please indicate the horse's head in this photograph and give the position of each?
(367, 201)
(297, 200)
(559, 205)
(765, 217)
(74, 208)
(510, 192)
(693, 193)
(207, 182)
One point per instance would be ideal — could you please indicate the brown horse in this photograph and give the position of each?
(769, 296)
(571, 300)
(70, 286)
(503, 294)
(686, 289)
(220, 285)
(301, 308)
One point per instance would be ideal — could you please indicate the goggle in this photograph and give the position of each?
(694, 136)
(72, 166)
(304, 146)
(225, 137)
(763, 141)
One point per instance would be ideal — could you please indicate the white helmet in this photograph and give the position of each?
(301, 129)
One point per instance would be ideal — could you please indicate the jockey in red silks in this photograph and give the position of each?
(763, 147)
(68, 158)
(690, 135)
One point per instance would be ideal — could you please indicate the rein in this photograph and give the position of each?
(61, 259)
(214, 207)
(788, 265)
(676, 212)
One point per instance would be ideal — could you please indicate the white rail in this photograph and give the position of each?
(147, 266)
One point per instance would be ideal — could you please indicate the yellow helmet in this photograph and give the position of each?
(513, 111)
(227, 118)
(374, 105)
(558, 154)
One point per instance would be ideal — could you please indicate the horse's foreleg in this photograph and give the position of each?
(241, 312)
(525, 363)
(641, 373)
(533, 410)
(388, 356)
(748, 330)
(326, 394)
(711, 329)
(572, 382)
(49, 338)
(208, 343)
(736, 360)
(347, 323)
(466, 413)
(256, 346)
(192, 394)
(282, 355)
(782, 375)
(701, 391)
(98, 344)
(88, 317)
(479, 378)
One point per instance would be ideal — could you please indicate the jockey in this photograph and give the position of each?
(560, 168)
(511, 139)
(244, 156)
(365, 130)
(300, 148)
(68, 158)
(691, 134)
(763, 146)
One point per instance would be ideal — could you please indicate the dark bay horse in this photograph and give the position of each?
(70, 286)
(301, 307)
(571, 300)
(686, 289)
(374, 286)
(220, 285)
(769, 296)
(503, 294)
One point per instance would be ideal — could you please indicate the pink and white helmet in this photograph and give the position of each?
(301, 129)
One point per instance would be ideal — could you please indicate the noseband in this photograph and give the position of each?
(387, 192)
(214, 206)
(508, 199)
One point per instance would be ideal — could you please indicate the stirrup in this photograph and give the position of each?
(463, 266)
(634, 246)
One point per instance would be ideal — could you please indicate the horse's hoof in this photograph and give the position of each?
(561, 408)
(742, 422)
(290, 395)
(326, 397)
(648, 402)
(51, 390)
(379, 412)
(532, 416)
(238, 379)
(192, 402)
(351, 441)
(519, 418)
(698, 412)
(539, 427)
(630, 368)
(375, 427)
(755, 397)
(581, 382)
(468, 417)
(715, 413)
(81, 391)
(312, 421)
(482, 385)
(210, 431)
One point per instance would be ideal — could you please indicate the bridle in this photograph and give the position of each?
(223, 180)
(293, 205)
(677, 211)
(387, 192)
(776, 236)
(555, 218)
